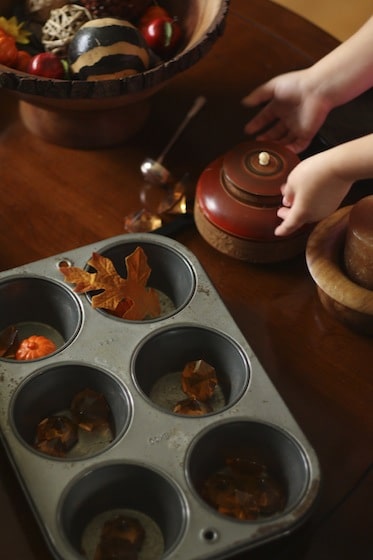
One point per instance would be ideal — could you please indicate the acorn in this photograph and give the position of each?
(108, 48)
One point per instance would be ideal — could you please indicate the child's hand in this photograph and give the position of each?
(313, 191)
(292, 113)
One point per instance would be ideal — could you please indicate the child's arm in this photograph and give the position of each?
(298, 103)
(316, 186)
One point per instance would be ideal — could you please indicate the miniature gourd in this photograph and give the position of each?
(34, 347)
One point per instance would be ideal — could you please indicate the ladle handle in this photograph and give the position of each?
(197, 106)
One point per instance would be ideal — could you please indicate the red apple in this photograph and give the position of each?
(151, 13)
(162, 35)
(46, 64)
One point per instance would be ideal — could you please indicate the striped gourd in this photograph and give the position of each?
(107, 48)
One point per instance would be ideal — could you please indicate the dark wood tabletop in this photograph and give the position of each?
(54, 199)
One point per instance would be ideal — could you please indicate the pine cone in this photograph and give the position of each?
(122, 9)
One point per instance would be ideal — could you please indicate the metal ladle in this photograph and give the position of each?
(154, 171)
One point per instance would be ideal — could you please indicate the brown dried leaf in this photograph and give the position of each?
(199, 380)
(8, 342)
(128, 297)
(192, 407)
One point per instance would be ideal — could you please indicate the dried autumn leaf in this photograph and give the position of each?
(90, 410)
(247, 493)
(124, 528)
(198, 380)
(8, 342)
(128, 297)
(192, 407)
(56, 435)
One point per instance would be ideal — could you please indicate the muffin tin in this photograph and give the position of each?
(157, 460)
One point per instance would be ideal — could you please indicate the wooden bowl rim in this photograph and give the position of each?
(323, 256)
(23, 83)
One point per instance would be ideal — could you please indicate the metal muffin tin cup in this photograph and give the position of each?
(124, 487)
(156, 460)
(50, 390)
(274, 447)
(161, 356)
(171, 273)
(34, 301)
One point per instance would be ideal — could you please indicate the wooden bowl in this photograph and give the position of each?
(237, 199)
(347, 301)
(90, 114)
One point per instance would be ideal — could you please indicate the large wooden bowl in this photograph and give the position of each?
(89, 114)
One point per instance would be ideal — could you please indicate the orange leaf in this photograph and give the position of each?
(198, 380)
(127, 297)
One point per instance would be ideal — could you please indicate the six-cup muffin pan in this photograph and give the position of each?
(155, 465)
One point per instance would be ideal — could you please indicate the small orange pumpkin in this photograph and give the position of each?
(35, 346)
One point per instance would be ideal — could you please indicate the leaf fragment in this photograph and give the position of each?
(8, 342)
(198, 380)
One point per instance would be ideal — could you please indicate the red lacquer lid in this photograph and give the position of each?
(240, 191)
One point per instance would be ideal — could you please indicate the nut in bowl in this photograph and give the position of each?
(98, 103)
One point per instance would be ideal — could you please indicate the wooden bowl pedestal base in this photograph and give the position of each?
(85, 129)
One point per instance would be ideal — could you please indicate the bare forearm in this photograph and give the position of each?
(347, 71)
(316, 186)
(353, 160)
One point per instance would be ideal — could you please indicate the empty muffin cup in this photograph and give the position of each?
(158, 363)
(38, 306)
(172, 275)
(127, 489)
(50, 394)
(247, 470)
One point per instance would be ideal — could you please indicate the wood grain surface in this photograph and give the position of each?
(54, 199)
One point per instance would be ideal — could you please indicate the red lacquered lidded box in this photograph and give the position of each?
(237, 199)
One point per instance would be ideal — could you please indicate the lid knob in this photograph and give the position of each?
(264, 158)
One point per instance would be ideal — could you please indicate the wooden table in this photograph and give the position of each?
(54, 199)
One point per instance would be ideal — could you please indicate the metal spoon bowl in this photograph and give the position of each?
(153, 170)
